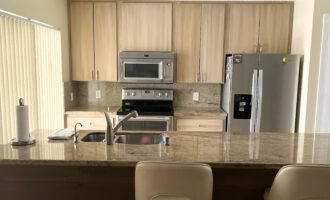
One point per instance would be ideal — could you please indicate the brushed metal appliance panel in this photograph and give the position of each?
(242, 74)
(279, 92)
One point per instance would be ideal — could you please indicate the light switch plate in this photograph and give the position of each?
(98, 94)
(71, 96)
(196, 96)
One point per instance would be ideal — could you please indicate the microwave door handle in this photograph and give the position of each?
(161, 71)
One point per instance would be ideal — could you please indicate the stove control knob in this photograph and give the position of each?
(127, 94)
(133, 93)
(166, 94)
(160, 94)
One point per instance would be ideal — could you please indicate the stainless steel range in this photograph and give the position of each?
(155, 108)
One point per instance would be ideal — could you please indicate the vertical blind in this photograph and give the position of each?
(30, 68)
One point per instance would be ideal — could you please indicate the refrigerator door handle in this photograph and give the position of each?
(254, 100)
(259, 100)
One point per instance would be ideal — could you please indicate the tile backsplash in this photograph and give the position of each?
(85, 93)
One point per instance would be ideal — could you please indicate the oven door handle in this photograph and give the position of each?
(147, 118)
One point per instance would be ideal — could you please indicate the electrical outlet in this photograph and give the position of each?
(98, 94)
(196, 96)
(71, 96)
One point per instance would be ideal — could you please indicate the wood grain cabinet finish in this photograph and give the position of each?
(187, 23)
(275, 23)
(212, 43)
(145, 27)
(204, 125)
(82, 40)
(198, 42)
(259, 28)
(94, 41)
(89, 121)
(242, 35)
(105, 38)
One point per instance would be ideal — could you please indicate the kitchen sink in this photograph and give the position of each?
(94, 137)
(125, 138)
(140, 139)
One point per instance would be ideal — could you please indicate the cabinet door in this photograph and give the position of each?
(275, 32)
(82, 41)
(212, 39)
(206, 125)
(243, 28)
(145, 27)
(96, 123)
(105, 39)
(187, 18)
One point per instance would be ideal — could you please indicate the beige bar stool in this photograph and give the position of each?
(300, 182)
(173, 181)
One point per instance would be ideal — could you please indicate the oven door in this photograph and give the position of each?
(147, 123)
(141, 70)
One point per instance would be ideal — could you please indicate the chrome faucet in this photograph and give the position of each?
(75, 137)
(111, 132)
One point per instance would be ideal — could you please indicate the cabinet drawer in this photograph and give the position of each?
(208, 125)
(97, 123)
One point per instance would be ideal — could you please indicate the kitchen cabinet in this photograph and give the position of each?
(243, 28)
(105, 38)
(145, 27)
(198, 42)
(187, 19)
(82, 40)
(94, 41)
(212, 43)
(89, 121)
(259, 28)
(200, 124)
(275, 23)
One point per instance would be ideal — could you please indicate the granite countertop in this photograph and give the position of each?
(190, 112)
(220, 150)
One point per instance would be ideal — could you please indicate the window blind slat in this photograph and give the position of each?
(30, 68)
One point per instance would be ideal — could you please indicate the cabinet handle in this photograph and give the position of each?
(92, 78)
(97, 75)
(256, 48)
(203, 77)
(260, 49)
(197, 77)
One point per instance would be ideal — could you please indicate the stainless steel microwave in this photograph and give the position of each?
(146, 67)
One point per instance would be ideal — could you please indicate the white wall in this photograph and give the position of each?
(52, 12)
(301, 44)
(321, 7)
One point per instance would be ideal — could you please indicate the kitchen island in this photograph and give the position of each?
(241, 162)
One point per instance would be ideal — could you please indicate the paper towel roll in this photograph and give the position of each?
(22, 123)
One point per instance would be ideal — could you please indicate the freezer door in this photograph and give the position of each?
(240, 118)
(278, 91)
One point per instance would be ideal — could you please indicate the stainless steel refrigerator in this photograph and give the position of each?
(260, 92)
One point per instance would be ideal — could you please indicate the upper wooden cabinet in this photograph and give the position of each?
(275, 32)
(94, 41)
(259, 28)
(212, 43)
(243, 28)
(82, 41)
(198, 42)
(187, 20)
(145, 27)
(105, 38)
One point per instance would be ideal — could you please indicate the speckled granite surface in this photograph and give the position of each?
(179, 112)
(84, 93)
(220, 150)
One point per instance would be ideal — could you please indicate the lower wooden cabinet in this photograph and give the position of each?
(96, 122)
(203, 125)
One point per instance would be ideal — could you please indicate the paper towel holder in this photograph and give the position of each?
(15, 141)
